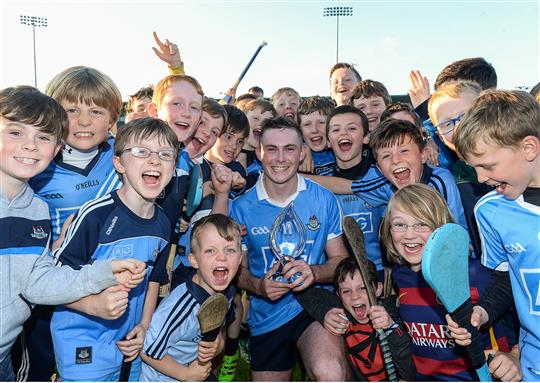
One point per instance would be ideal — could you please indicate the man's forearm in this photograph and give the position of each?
(247, 281)
(325, 273)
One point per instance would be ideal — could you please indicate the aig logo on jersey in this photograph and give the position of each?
(364, 220)
(125, 251)
(515, 248)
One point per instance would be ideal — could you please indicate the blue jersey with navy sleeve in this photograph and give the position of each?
(510, 237)
(368, 217)
(324, 162)
(66, 188)
(105, 228)
(321, 214)
(174, 329)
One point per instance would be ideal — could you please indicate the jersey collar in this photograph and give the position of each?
(263, 195)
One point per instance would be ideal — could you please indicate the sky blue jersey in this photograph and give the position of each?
(319, 211)
(510, 236)
(66, 188)
(324, 162)
(105, 228)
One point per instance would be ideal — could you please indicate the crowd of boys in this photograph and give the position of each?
(95, 223)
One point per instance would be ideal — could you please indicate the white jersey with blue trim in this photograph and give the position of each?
(510, 236)
(174, 329)
(319, 211)
(105, 228)
(66, 188)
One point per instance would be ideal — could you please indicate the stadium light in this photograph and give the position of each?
(337, 11)
(34, 22)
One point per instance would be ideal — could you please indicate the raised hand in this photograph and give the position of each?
(222, 178)
(167, 52)
(419, 91)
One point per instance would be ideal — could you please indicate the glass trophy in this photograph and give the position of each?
(287, 240)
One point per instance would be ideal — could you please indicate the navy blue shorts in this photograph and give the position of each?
(276, 350)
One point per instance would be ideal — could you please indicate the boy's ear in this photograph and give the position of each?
(57, 149)
(193, 261)
(259, 151)
(365, 140)
(118, 165)
(424, 154)
(151, 109)
(531, 148)
(303, 152)
(379, 290)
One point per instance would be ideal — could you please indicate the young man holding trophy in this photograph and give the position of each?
(293, 241)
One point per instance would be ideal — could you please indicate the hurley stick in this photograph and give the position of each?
(356, 240)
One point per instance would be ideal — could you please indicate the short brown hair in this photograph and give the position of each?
(86, 85)
(351, 67)
(281, 123)
(348, 266)
(502, 117)
(143, 129)
(227, 228)
(370, 88)
(215, 109)
(400, 106)
(27, 105)
(475, 69)
(393, 132)
(344, 109)
(323, 105)
(165, 83)
(146, 92)
(419, 201)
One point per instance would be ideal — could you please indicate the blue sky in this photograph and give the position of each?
(385, 39)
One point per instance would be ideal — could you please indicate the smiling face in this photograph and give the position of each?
(409, 244)
(287, 105)
(88, 125)
(402, 164)
(510, 169)
(255, 118)
(205, 136)
(181, 108)
(373, 107)
(144, 178)
(227, 147)
(444, 109)
(342, 83)
(216, 260)
(281, 152)
(354, 297)
(313, 127)
(25, 151)
(346, 138)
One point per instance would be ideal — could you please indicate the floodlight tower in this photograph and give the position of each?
(337, 11)
(34, 22)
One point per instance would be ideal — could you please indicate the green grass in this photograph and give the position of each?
(243, 373)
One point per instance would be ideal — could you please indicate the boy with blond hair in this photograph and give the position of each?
(173, 349)
(500, 138)
(286, 102)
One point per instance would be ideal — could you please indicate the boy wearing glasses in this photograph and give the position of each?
(447, 107)
(124, 222)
